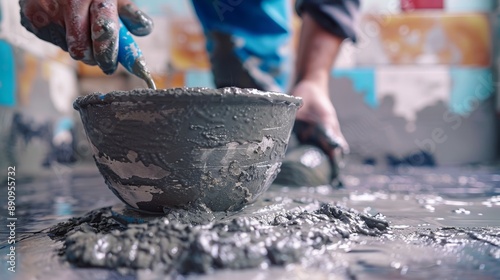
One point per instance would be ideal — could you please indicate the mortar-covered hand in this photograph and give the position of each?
(87, 29)
(316, 121)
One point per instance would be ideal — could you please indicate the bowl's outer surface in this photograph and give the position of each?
(172, 148)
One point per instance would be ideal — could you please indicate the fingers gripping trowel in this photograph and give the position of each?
(130, 56)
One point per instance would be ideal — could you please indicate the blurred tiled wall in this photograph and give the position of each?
(419, 88)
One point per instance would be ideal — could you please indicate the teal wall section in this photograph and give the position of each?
(470, 87)
(7, 75)
(363, 80)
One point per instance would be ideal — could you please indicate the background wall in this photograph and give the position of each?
(420, 87)
(38, 84)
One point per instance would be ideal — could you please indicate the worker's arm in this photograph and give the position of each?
(87, 29)
(325, 25)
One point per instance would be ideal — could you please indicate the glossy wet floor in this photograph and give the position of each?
(443, 224)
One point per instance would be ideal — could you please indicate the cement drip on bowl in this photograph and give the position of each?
(174, 148)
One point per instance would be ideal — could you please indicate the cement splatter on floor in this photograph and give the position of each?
(177, 243)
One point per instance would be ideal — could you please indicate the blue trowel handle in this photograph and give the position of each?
(128, 50)
(130, 56)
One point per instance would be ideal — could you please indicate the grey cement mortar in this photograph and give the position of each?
(177, 147)
(200, 241)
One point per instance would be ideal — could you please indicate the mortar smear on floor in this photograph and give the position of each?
(199, 241)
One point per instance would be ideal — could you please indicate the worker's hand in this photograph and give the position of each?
(316, 121)
(87, 29)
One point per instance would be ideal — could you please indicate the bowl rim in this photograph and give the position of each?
(187, 94)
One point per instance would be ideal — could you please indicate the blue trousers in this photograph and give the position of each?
(249, 41)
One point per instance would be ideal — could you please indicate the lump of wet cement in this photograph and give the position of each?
(195, 242)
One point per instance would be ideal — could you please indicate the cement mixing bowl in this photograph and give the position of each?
(173, 148)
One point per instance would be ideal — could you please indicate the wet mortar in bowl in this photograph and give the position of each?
(178, 147)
